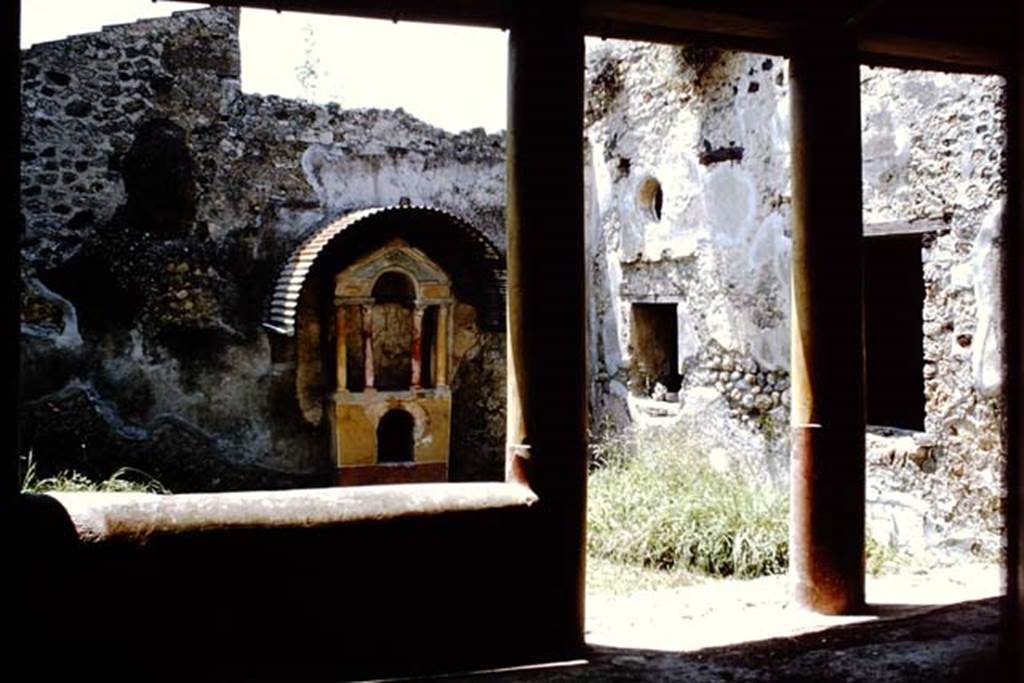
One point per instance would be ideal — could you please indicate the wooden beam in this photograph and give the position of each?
(768, 28)
(913, 52)
(896, 228)
(480, 13)
(679, 16)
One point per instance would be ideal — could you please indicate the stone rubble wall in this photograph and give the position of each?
(933, 149)
(84, 97)
(712, 128)
(159, 203)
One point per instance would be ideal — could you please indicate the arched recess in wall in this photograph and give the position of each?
(649, 199)
(395, 437)
(302, 295)
(394, 295)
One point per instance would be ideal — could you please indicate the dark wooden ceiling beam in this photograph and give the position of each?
(948, 45)
(480, 13)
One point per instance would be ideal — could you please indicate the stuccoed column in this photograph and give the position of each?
(341, 352)
(442, 346)
(417, 346)
(367, 312)
(827, 362)
(546, 302)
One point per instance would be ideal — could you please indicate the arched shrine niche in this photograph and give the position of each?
(395, 437)
(379, 310)
(392, 312)
(394, 297)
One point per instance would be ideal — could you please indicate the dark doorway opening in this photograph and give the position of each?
(893, 320)
(394, 437)
(655, 347)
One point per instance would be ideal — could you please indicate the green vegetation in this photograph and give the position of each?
(124, 480)
(607, 577)
(661, 516)
(655, 502)
(882, 558)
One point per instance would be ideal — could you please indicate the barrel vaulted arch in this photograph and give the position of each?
(475, 265)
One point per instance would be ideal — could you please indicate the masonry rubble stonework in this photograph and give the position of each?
(160, 203)
(710, 130)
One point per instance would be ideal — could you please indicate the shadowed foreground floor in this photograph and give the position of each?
(940, 624)
(951, 643)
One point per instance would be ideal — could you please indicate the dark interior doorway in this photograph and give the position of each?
(894, 344)
(394, 437)
(655, 346)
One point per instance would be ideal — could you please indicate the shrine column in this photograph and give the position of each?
(442, 346)
(367, 311)
(417, 346)
(827, 330)
(546, 430)
(341, 352)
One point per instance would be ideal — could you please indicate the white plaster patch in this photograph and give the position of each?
(879, 140)
(961, 275)
(767, 241)
(611, 330)
(688, 231)
(687, 340)
(602, 185)
(721, 322)
(770, 348)
(342, 182)
(729, 204)
(779, 126)
(987, 357)
(632, 224)
(682, 216)
(783, 266)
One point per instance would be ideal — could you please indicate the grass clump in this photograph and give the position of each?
(124, 480)
(607, 577)
(656, 502)
(881, 558)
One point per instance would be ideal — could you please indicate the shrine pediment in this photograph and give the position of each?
(358, 279)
